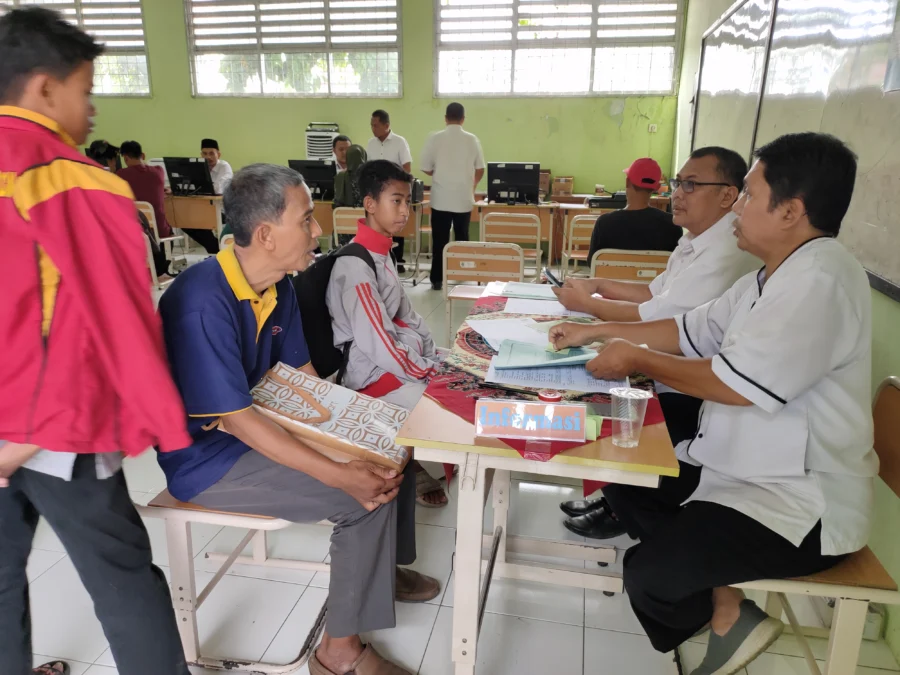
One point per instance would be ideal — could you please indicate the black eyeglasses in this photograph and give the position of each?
(689, 185)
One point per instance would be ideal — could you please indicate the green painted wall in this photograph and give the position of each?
(884, 540)
(572, 136)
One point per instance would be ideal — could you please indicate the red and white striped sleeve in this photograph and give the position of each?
(375, 334)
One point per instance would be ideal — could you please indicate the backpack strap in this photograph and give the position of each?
(355, 250)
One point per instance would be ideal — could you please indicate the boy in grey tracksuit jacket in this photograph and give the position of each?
(392, 354)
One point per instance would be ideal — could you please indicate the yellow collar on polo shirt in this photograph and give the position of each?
(262, 306)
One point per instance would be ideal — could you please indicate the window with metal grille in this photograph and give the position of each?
(556, 48)
(280, 48)
(119, 25)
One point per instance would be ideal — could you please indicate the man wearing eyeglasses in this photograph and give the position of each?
(705, 264)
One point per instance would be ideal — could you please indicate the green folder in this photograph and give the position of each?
(524, 355)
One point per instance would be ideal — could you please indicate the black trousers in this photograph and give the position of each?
(108, 545)
(398, 252)
(206, 238)
(441, 222)
(687, 551)
(682, 413)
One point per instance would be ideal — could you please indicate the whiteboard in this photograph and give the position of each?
(826, 71)
(732, 63)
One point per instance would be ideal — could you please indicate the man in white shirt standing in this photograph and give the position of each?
(705, 264)
(385, 144)
(454, 160)
(219, 169)
(778, 481)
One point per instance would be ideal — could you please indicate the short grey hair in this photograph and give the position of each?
(257, 195)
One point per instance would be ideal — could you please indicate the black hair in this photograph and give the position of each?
(818, 169)
(131, 149)
(338, 139)
(639, 188)
(101, 151)
(455, 112)
(38, 40)
(730, 166)
(375, 175)
(382, 116)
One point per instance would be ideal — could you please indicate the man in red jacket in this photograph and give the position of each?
(83, 376)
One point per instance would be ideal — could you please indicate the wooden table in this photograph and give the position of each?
(203, 212)
(485, 465)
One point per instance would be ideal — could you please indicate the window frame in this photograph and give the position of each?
(144, 51)
(260, 51)
(593, 42)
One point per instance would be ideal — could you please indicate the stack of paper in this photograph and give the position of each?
(514, 289)
(567, 378)
(543, 307)
(522, 355)
(497, 330)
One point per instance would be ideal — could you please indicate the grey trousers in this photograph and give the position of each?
(108, 545)
(366, 546)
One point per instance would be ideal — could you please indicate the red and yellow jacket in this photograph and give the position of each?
(82, 362)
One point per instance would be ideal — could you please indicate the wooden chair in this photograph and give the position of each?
(178, 517)
(860, 578)
(516, 228)
(345, 221)
(165, 242)
(478, 261)
(622, 265)
(577, 243)
(151, 265)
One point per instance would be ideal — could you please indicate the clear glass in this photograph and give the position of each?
(628, 409)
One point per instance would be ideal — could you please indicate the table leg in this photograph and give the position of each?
(501, 496)
(467, 565)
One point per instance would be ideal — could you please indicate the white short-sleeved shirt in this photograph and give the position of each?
(221, 176)
(700, 269)
(453, 155)
(394, 148)
(798, 346)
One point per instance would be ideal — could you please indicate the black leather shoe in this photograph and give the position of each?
(579, 507)
(598, 524)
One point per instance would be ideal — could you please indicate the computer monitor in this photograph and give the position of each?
(319, 176)
(513, 182)
(189, 176)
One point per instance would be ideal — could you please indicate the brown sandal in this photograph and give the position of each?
(369, 662)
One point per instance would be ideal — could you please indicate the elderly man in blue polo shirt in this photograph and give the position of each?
(226, 322)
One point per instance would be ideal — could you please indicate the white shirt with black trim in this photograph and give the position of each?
(798, 347)
(394, 148)
(700, 269)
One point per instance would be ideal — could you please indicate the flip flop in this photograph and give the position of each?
(48, 668)
(370, 662)
(426, 484)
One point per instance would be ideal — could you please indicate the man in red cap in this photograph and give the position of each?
(637, 227)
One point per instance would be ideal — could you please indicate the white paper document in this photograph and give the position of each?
(538, 307)
(568, 378)
(515, 289)
(496, 331)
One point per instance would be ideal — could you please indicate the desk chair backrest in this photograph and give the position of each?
(483, 262)
(150, 214)
(579, 232)
(227, 240)
(622, 265)
(345, 219)
(886, 414)
(523, 229)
